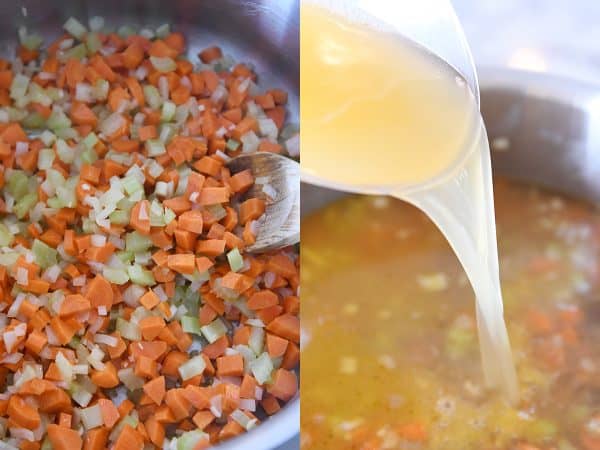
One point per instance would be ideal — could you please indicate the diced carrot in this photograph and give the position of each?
(99, 292)
(213, 195)
(210, 247)
(74, 304)
(155, 389)
(276, 346)
(210, 54)
(151, 327)
(262, 299)
(147, 132)
(63, 438)
(140, 217)
(22, 413)
(182, 263)
(95, 439)
(133, 56)
(270, 404)
(208, 166)
(106, 378)
(178, 404)
(110, 413)
(231, 365)
(413, 432)
(12, 134)
(191, 221)
(149, 300)
(155, 430)
(286, 326)
(281, 265)
(284, 385)
(251, 209)
(81, 114)
(128, 439)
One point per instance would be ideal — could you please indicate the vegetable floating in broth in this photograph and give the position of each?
(381, 115)
(390, 352)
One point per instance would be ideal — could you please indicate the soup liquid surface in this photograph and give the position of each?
(390, 356)
(381, 115)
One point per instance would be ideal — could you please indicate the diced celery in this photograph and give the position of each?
(261, 368)
(37, 94)
(119, 217)
(47, 137)
(23, 206)
(65, 153)
(155, 147)
(45, 256)
(191, 368)
(6, 237)
(77, 52)
(90, 141)
(75, 28)
(66, 193)
(129, 379)
(459, 341)
(136, 242)
(58, 120)
(191, 439)
(141, 276)
(81, 395)
(96, 23)
(125, 257)
(18, 87)
(214, 330)
(33, 121)
(163, 30)
(131, 184)
(89, 226)
(64, 367)
(66, 133)
(125, 31)
(167, 131)
(8, 259)
(29, 41)
(163, 64)
(236, 262)
(191, 325)
(168, 111)
(116, 276)
(89, 156)
(128, 330)
(232, 145)
(93, 43)
(17, 184)
(169, 216)
(100, 89)
(152, 96)
(45, 158)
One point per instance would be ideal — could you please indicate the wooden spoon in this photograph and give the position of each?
(280, 225)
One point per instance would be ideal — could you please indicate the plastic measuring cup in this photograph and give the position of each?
(431, 26)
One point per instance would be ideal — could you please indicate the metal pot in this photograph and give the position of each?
(543, 129)
(264, 32)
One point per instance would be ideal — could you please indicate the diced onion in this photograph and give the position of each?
(163, 64)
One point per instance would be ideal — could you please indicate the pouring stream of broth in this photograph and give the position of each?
(381, 115)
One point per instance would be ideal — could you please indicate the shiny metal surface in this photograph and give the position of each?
(542, 129)
(264, 32)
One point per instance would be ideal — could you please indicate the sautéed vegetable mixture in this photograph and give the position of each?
(390, 352)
